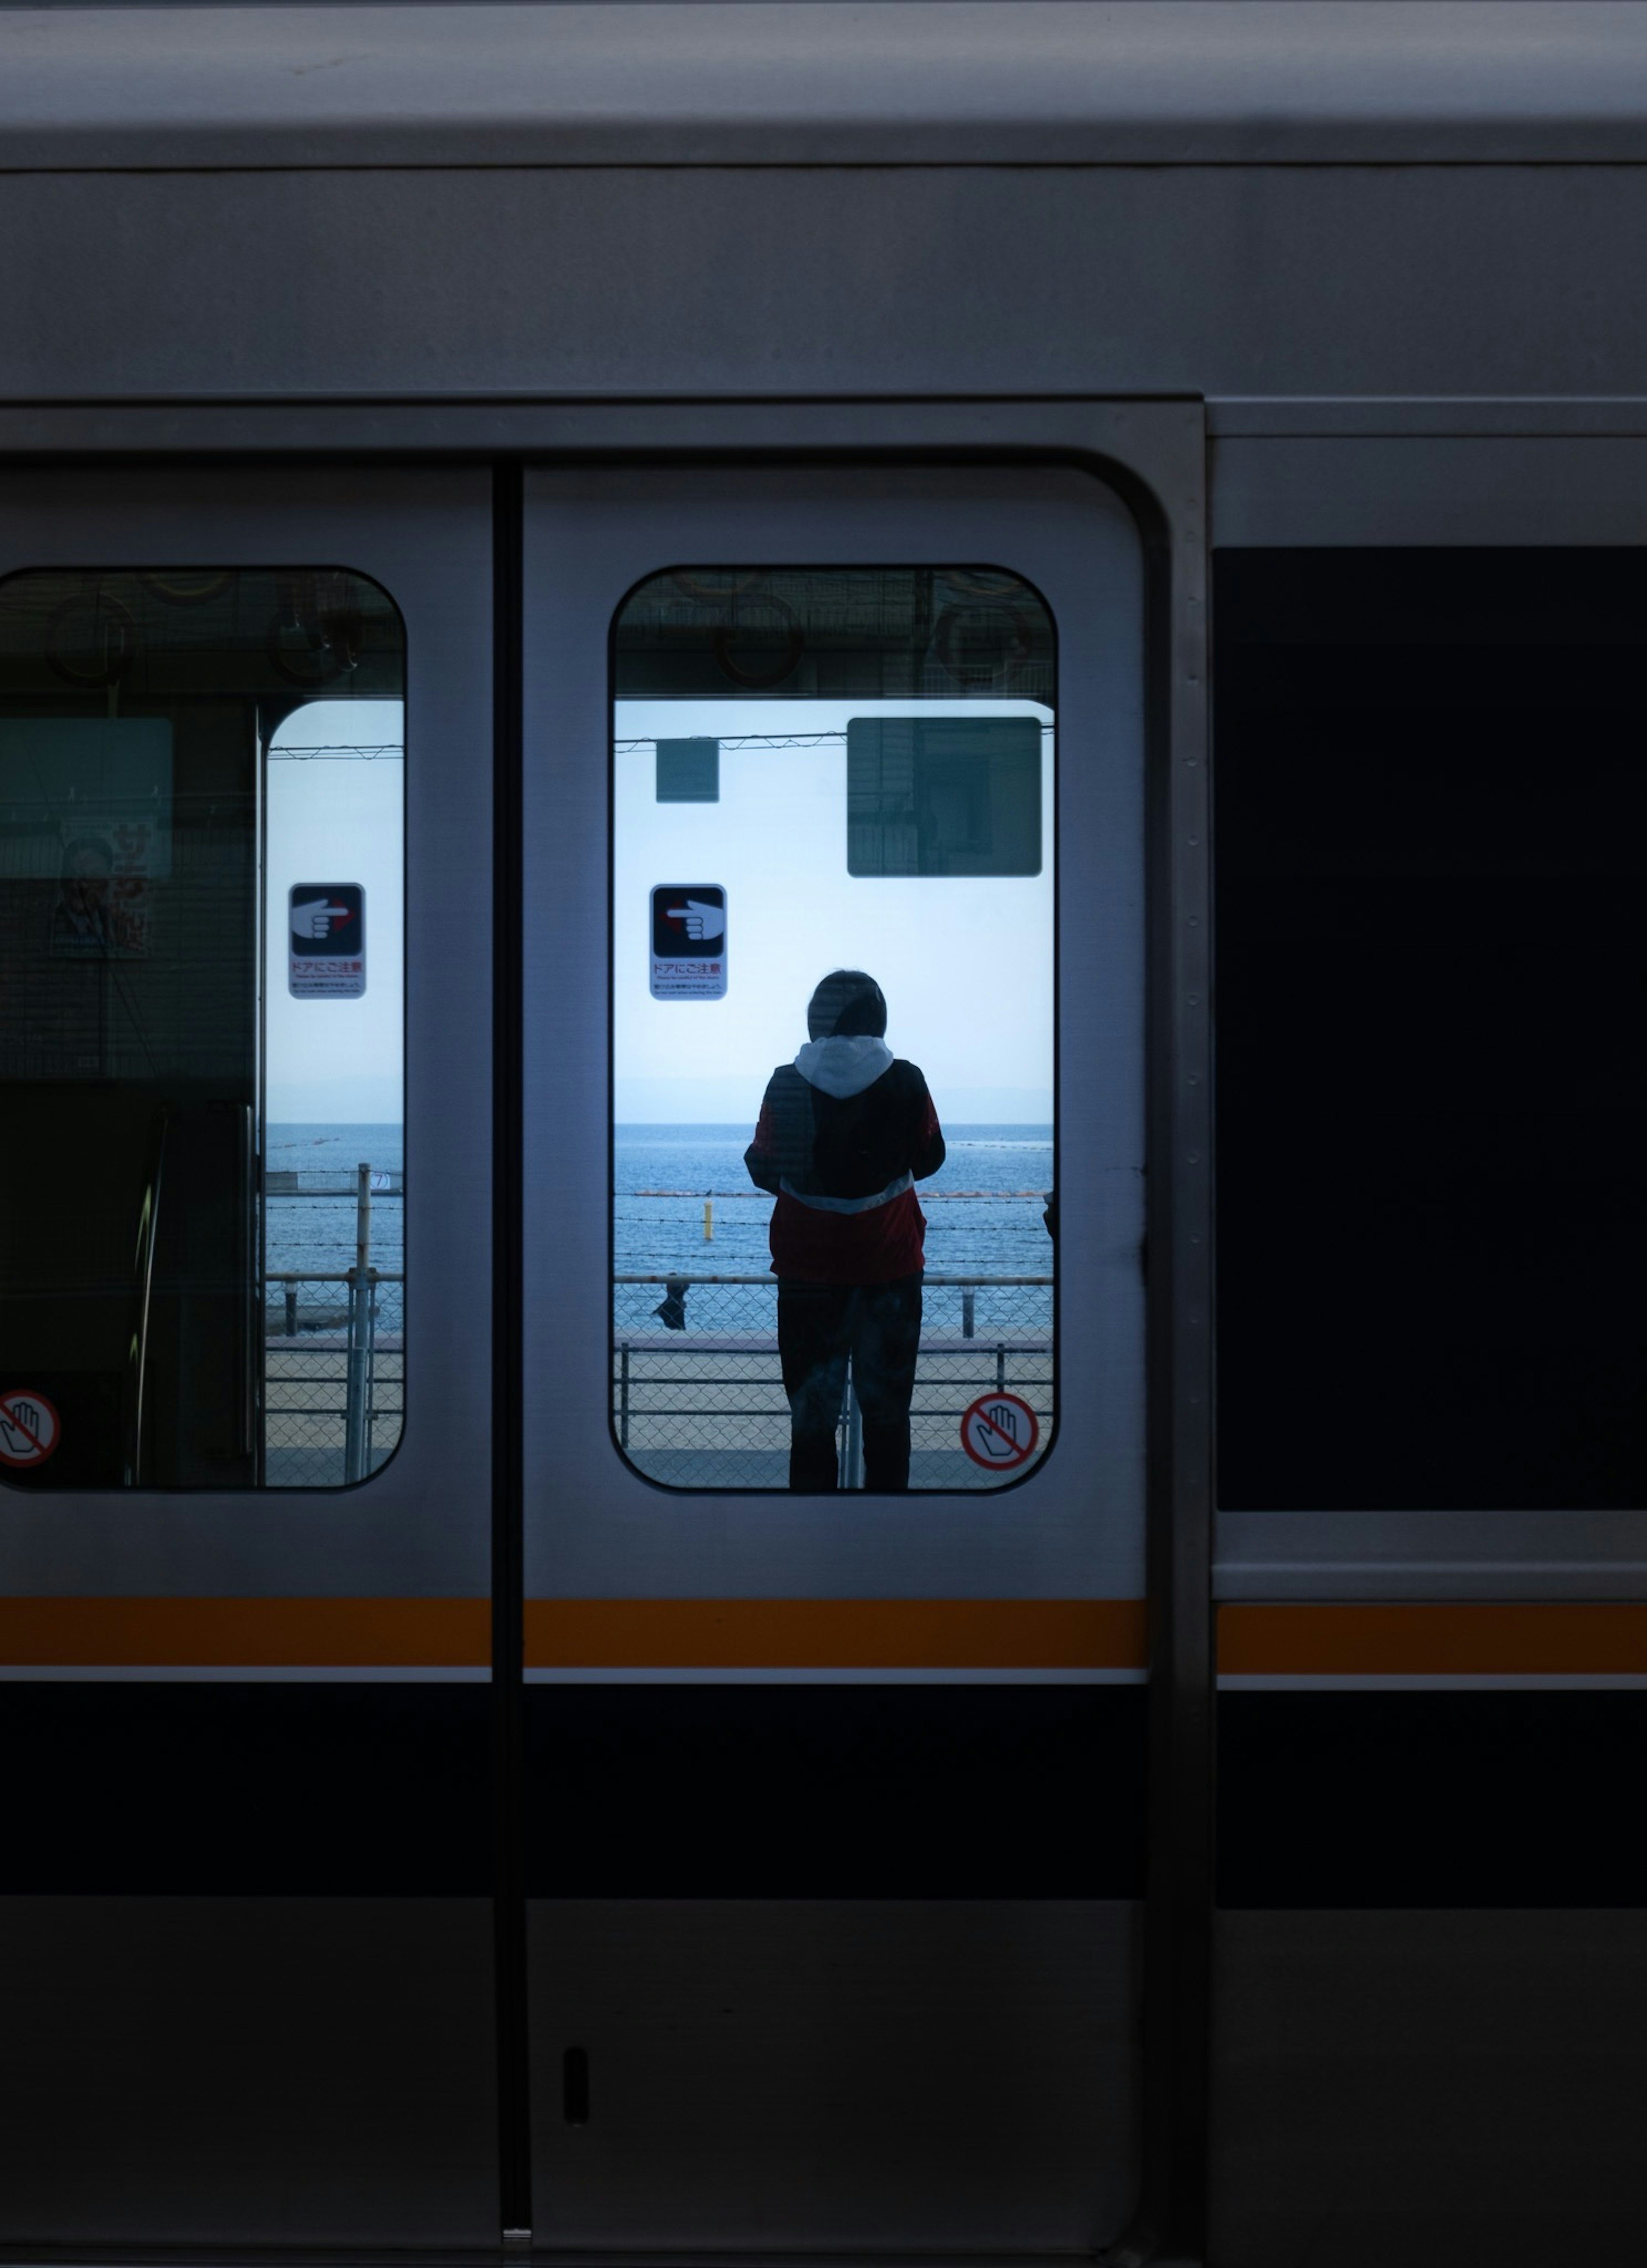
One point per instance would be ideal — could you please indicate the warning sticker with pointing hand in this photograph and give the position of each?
(688, 941)
(1001, 1431)
(328, 944)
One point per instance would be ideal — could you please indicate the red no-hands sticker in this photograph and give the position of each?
(30, 1428)
(999, 1430)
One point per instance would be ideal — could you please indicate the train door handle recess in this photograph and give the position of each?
(574, 2086)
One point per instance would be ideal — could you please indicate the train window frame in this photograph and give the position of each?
(593, 1526)
(1345, 475)
(182, 587)
(740, 684)
(424, 533)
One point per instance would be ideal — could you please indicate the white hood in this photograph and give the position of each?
(842, 1067)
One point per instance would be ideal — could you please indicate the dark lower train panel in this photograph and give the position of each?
(247, 2071)
(852, 1965)
(639, 1790)
(770, 2074)
(1441, 2089)
(1424, 1799)
(1430, 1979)
(138, 1789)
(848, 1967)
(836, 1791)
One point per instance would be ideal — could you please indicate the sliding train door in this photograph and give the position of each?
(245, 835)
(834, 1357)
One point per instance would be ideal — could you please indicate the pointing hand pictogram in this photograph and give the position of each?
(316, 919)
(701, 921)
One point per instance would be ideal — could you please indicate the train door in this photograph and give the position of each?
(245, 729)
(834, 1632)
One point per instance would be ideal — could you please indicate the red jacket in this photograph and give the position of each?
(844, 1133)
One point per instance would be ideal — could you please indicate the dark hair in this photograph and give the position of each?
(847, 1005)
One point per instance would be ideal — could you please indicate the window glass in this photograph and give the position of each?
(1432, 1104)
(199, 1035)
(832, 1028)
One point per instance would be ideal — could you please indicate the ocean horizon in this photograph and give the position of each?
(983, 1207)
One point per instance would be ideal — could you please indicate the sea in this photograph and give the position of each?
(314, 1228)
(983, 1209)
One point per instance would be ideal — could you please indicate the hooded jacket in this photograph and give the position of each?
(845, 1130)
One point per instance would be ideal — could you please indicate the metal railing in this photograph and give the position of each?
(356, 1347)
(698, 1397)
(333, 1375)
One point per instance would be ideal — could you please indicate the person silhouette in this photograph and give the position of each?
(845, 1130)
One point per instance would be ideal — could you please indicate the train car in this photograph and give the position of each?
(529, 534)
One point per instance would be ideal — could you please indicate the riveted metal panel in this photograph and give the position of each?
(1429, 489)
(532, 286)
(954, 82)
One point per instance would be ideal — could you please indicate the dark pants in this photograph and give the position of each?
(818, 1325)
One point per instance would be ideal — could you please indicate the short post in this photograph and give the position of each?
(371, 1359)
(709, 1221)
(1001, 1368)
(356, 1391)
(969, 1310)
(291, 1311)
(623, 1396)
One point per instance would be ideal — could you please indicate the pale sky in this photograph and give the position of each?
(336, 819)
(966, 963)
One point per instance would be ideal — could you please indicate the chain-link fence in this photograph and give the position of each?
(697, 1398)
(333, 1375)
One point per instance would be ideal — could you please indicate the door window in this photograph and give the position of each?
(200, 1037)
(1431, 809)
(832, 1028)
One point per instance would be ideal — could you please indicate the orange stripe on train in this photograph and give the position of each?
(576, 1633)
(1484, 1638)
(246, 1634)
(836, 1633)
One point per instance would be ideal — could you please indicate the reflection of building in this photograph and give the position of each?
(86, 839)
(82, 919)
(116, 972)
(103, 900)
